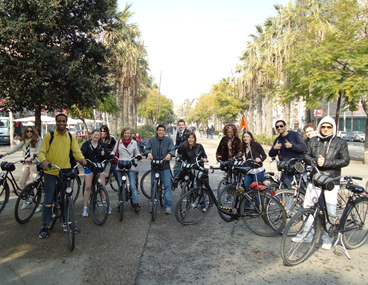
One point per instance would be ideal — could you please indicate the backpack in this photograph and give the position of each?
(72, 160)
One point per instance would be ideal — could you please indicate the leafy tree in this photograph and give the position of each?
(49, 55)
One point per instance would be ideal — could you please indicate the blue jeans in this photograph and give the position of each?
(212, 136)
(250, 178)
(133, 187)
(114, 171)
(50, 186)
(165, 177)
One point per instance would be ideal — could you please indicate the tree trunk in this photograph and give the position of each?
(268, 115)
(337, 116)
(259, 113)
(286, 115)
(38, 122)
(250, 114)
(365, 108)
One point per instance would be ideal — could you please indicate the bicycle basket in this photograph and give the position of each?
(187, 166)
(7, 166)
(323, 181)
(68, 174)
(203, 174)
(298, 167)
(96, 167)
(124, 164)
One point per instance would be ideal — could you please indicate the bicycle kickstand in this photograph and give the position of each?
(340, 249)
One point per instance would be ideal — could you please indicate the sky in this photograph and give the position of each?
(193, 44)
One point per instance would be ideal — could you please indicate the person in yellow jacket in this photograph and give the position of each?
(56, 153)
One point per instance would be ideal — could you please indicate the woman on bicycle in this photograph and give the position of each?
(110, 142)
(30, 144)
(96, 151)
(127, 148)
(230, 144)
(255, 155)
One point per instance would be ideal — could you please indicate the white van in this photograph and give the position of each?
(4, 130)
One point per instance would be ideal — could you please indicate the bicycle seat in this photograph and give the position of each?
(124, 164)
(355, 188)
(7, 166)
(323, 181)
(258, 186)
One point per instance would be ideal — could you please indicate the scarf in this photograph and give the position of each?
(126, 142)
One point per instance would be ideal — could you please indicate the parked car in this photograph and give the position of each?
(355, 136)
(341, 134)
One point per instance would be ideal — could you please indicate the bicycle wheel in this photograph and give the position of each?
(262, 213)
(223, 182)
(112, 181)
(146, 184)
(300, 237)
(227, 200)
(184, 189)
(100, 205)
(122, 200)
(292, 200)
(354, 225)
(193, 206)
(161, 195)
(155, 198)
(70, 221)
(27, 202)
(4, 195)
(76, 188)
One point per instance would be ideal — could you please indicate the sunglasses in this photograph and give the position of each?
(29, 131)
(279, 126)
(326, 127)
(102, 131)
(229, 127)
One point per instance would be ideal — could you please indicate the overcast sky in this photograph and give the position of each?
(196, 43)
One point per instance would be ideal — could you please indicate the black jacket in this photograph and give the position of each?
(335, 151)
(189, 154)
(223, 148)
(180, 140)
(95, 156)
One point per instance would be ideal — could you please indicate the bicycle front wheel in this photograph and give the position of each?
(193, 206)
(355, 224)
(223, 183)
(155, 198)
(100, 205)
(27, 202)
(146, 184)
(228, 200)
(112, 181)
(123, 191)
(70, 221)
(76, 188)
(262, 213)
(300, 237)
(4, 195)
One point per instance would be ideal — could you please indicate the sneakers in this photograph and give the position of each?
(150, 207)
(39, 208)
(85, 212)
(25, 205)
(110, 210)
(44, 233)
(168, 210)
(137, 208)
(76, 229)
(326, 245)
(300, 238)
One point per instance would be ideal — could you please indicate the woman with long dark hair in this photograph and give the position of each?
(230, 144)
(255, 155)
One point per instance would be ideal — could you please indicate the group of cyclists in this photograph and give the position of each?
(322, 148)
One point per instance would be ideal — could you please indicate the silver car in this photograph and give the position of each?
(341, 134)
(355, 136)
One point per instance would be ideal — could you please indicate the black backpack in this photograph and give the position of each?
(73, 162)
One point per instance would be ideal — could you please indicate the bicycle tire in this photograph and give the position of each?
(223, 182)
(27, 202)
(227, 199)
(100, 205)
(189, 209)
(301, 224)
(54, 216)
(291, 202)
(113, 182)
(4, 195)
(130, 196)
(155, 200)
(354, 224)
(161, 195)
(122, 200)
(76, 188)
(146, 185)
(262, 213)
(70, 221)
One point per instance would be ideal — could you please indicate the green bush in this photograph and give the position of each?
(263, 139)
(146, 131)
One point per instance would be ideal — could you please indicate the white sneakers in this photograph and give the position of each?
(85, 212)
(326, 245)
(300, 238)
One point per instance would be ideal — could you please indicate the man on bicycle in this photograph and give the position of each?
(181, 138)
(161, 147)
(287, 145)
(56, 153)
(329, 153)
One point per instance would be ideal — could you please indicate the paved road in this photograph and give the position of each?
(137, 251)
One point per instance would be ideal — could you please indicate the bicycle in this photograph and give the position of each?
(111, 179)
(6, 178)
(99, 197)
(229, 177)
(63, 206)
(30, 198)
(124, 193)
(303, 231)
(260, 212)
